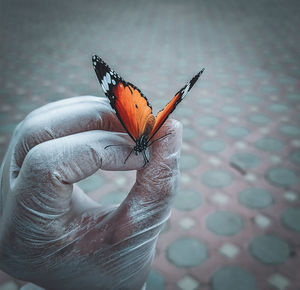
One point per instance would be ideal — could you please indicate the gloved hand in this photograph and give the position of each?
(51, 232)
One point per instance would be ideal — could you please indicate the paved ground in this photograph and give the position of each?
(236, 220)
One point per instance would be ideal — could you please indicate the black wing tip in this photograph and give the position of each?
(199, 73)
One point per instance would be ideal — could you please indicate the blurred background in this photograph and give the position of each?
(235, 224)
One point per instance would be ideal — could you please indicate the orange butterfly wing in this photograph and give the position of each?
(163, 115)
(131, 106)
(133, 109)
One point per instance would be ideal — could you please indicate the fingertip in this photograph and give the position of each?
(172, 129)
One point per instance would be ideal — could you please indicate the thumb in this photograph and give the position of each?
(158, 180)
(149, 201)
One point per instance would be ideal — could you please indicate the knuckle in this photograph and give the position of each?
(37, 160)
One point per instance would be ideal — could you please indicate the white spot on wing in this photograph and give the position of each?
(186, 90)
(108, 79)
(105, 84)
(113, 82)
(94, 63)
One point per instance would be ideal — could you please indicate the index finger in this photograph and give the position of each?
(64, 118)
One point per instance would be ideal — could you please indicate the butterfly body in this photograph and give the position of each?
(132, 107)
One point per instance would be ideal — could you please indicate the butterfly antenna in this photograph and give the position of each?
(117, 145)
(159, 139)
(128, 155)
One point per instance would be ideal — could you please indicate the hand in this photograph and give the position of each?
(51, 232)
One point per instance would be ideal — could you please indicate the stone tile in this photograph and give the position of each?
(275, 159)
(250, 177)
(185, 178)
(254, 197)
(211, 133)
(188, 283)
(279, 281)
(155, 281)
(291, 219)
(240, 145)
(224, 223)
(282, 177)
(187, 223)
(187, 252)
(188, 161)
(187, 199)
(229, 250)
(185, 146)
(217, 178)
(262, 221)
(220, 198)
(270, 249)
(254, 109)
(264, 130)
(291, 196)
(232, 278)
(296, 143)
(214, 161)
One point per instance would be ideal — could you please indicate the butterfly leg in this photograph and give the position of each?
(146, 159)
(128, 155)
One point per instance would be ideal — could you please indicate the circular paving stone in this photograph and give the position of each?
(229, 109)
(269, 89)
(295, 157)
(244, 82)
(291, 219)
(224, 223)
(187, 252)
(269, 144)
(245, 160)
(208, 121)
(270, 249)
(188, 161)
(237, 132)
(233, 278)
(187, 200)
(255, 198)
(280, 176)
(216, 178)
(259, 119)
(251, 99)
(294, 98)
(91, 183)
(213, 146)
(188, 133)
(290, 130)
(155, 281)
(279, 108)
(114, 197)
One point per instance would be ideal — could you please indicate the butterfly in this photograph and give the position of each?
(132, 107)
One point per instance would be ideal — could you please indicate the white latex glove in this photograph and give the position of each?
(53, 234)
